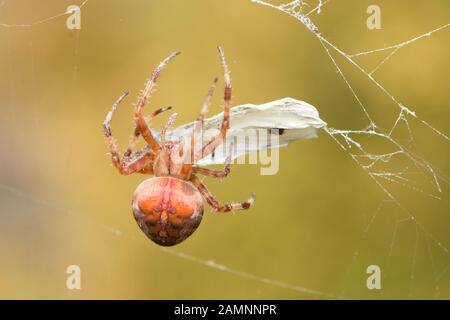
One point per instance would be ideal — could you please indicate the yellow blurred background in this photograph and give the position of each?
(316, 226)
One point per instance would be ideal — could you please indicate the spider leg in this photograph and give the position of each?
(112, 143)
(216, 141)
(215, 205)
(219, 174)
(131, 145)
(168, 124)
(140, 163)
(144, 97)
(148, 169)
(198, 126)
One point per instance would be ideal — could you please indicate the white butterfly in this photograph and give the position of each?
(277, 123)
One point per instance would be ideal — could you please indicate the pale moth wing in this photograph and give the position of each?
(277, 123)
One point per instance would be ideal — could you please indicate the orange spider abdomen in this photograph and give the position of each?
(167, 209)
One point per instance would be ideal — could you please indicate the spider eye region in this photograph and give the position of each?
(167, 209)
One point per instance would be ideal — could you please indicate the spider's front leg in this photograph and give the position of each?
(143, 163)
(215, 205)
(144, 97)
(198, 126)
(131, 145)
(216, 141)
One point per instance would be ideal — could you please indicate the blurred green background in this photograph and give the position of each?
(62, 203)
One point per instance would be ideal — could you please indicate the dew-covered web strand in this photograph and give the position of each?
(348, 140)
(38, 22)
(371, 129)
(401, 44)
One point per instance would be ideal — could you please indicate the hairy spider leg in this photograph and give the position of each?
(132, 144)
(144, 97)
(168, 124)
(218, 174)
(143, 162)
(216, 141)
(198, 126)
(215, 205)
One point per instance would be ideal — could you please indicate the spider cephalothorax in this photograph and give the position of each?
(169, 207)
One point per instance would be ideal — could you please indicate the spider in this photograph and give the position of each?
(169, 206)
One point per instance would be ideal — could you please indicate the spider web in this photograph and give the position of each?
(355, 143)
(352, 141)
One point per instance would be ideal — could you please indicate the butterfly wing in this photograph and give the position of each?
(275, 123)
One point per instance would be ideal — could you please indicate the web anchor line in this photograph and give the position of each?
(349, 140)
(39, 22)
